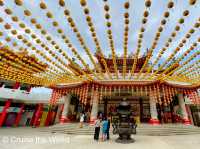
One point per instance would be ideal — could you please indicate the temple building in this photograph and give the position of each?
(152, 101)
(89, 56)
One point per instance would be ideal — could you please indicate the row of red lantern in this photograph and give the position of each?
(162, 94)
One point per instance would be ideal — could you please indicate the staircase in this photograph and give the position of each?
(142, 129)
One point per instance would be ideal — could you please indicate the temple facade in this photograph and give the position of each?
(153, 102)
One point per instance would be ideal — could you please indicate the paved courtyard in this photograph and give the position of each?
(32, 138)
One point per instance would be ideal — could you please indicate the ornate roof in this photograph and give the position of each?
(71, 46)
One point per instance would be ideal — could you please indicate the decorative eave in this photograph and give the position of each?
(128, 83)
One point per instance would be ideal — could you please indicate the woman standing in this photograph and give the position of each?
(97, 129)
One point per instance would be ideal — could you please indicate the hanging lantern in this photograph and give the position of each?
(102, 92)
(186, 13)
(86, 93)
(66, 12)
(83, 2)
(164, 95)
(106, 8)
(188, 36)
(160, 29)
(173, 34)
(192, 31)
(163, 22)
(1, 2)
(8, 11)
(22, 25)
(144, 21)
(166, 14)
(148, 3)
(146, 14)
(192, 2)
(159, 96)
(177, 28)
(7, 26)
(126, 5)
(181, 21)
(1, 20)
(83, 94)
(43, 32)
(62, 3)
(33, 21)
(27, 12)
(14, 32)
(197, 25)
(8, 39)
(108, 24)
(86, 11)
(28, 31)
(43, 5)
(110, 91)
(19, 2)
(14, 44)
(142, 29)
(170, 4)
(49, 15)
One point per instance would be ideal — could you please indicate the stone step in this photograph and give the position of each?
(138, 133)
(143, 129)
(139, 130)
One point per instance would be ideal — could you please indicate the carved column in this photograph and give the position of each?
(94, 112)
(153, 110)
(64, 115)
(185, 118)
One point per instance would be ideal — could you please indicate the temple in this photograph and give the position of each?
(153, 101)
(75, 69)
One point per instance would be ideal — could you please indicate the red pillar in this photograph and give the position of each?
(37, 114)
(16, 85)
(19, 115)
(4, 112)
(48, 119)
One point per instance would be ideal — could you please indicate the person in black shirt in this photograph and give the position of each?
(108, 129)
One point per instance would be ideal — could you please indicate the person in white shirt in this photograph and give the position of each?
(82, 120)
(97, 129)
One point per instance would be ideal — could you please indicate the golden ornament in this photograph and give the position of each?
(83, 2)
(170, 4)
(8, 11)
(27, 12)
(43, 5)
(186, 13)
(19, 2)
(126, 5)
(49, 15)
(192, 2)
(62, 3)
(148, 3)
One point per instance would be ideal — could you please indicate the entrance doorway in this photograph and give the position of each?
(140, 108)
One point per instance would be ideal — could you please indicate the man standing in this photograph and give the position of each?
(108, 129)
